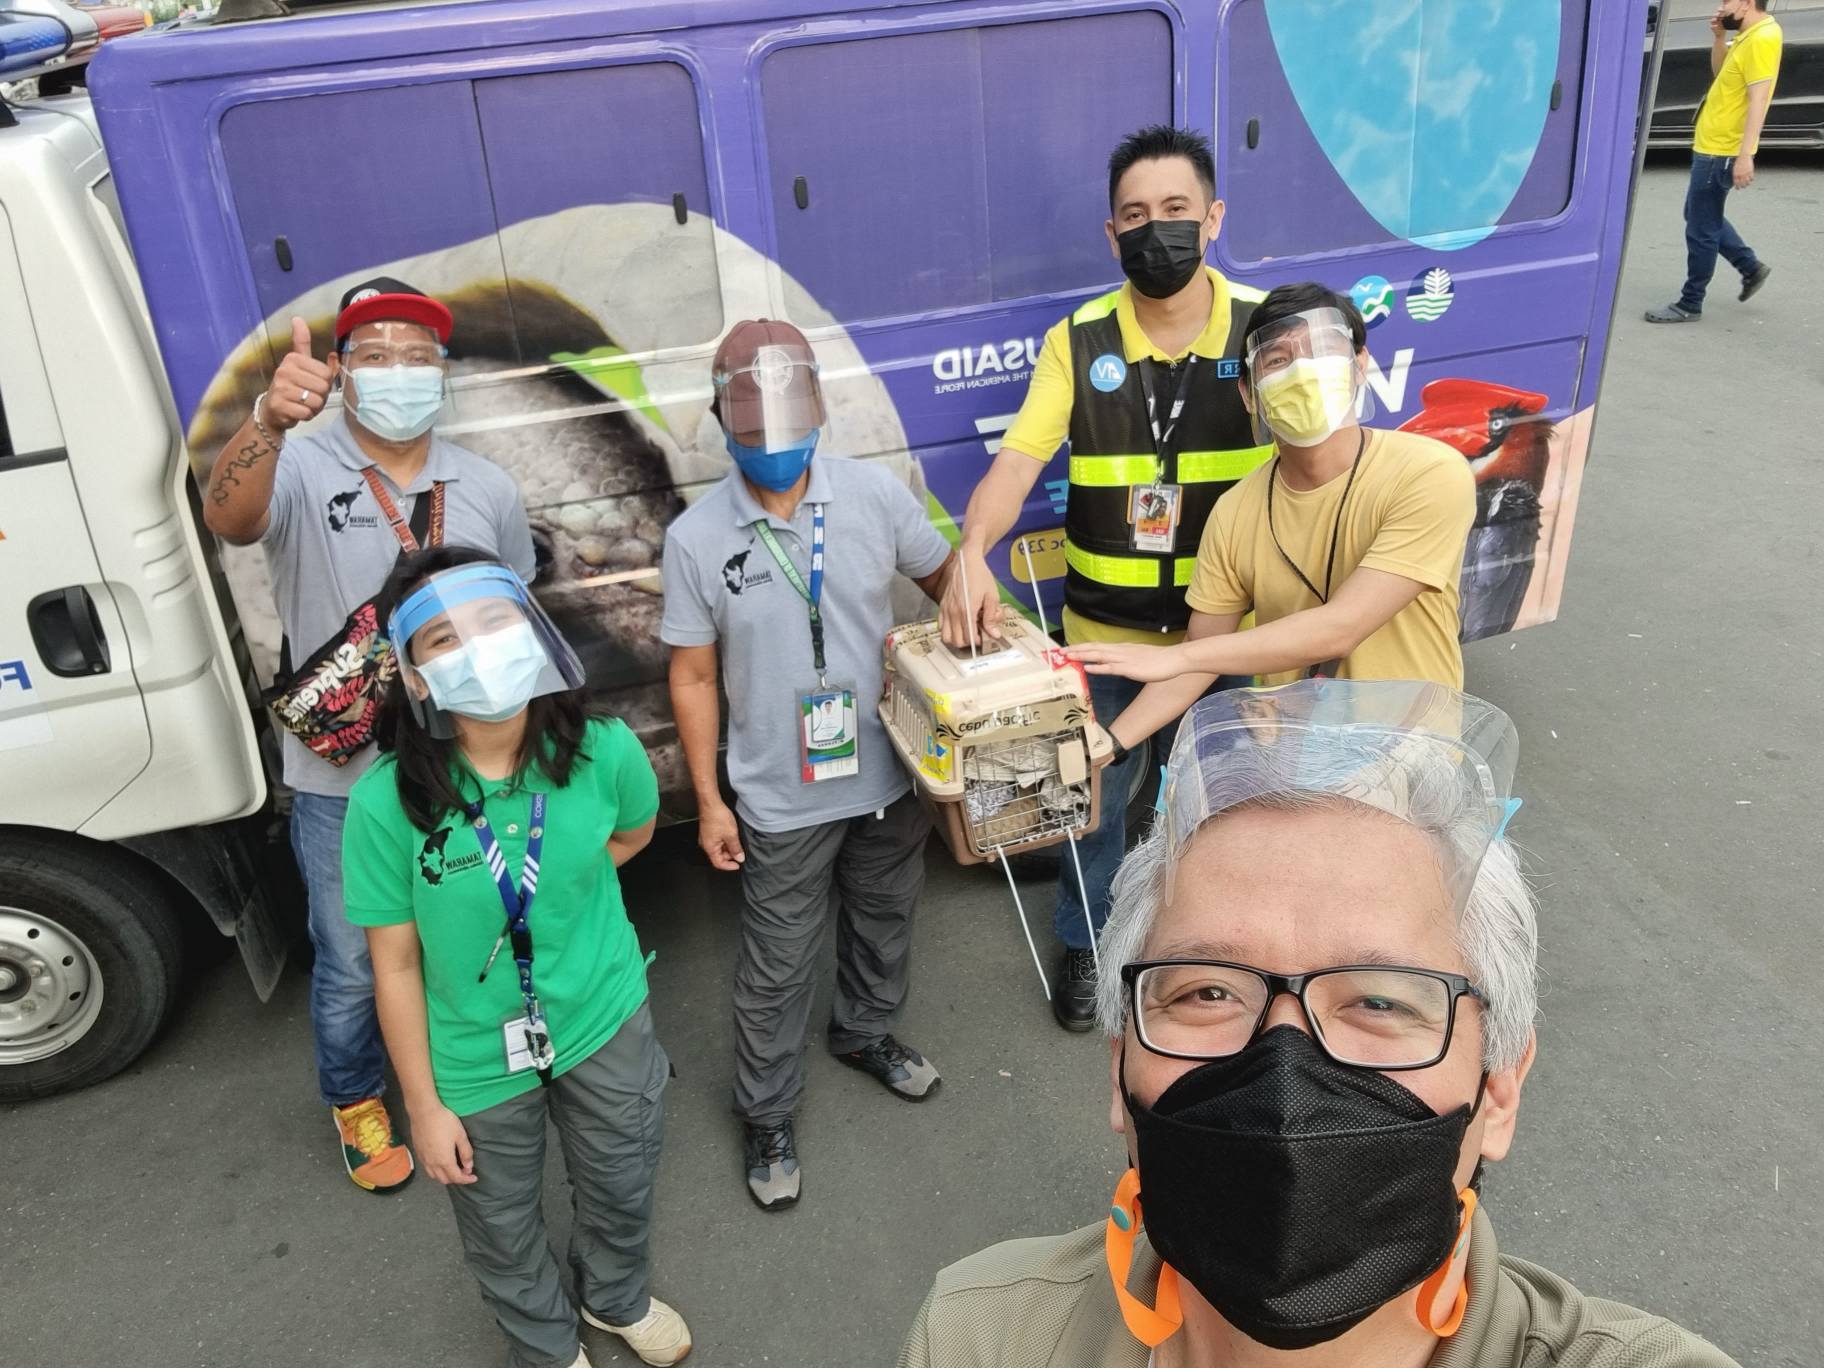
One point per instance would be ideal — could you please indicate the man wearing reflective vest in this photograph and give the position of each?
(1141, 383)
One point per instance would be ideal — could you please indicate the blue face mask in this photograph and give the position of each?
(489, 678)
(397, 402)
(775, 470)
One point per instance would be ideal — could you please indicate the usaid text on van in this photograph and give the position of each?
(992, 363)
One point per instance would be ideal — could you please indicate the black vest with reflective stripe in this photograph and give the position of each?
(1214, 447)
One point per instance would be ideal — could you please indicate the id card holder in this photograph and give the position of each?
(828, 735)
(1152, 509)
(528, 1043)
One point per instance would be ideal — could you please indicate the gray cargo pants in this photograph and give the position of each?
(609, 1114)
(877, 866)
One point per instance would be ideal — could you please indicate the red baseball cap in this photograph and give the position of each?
(385, 300)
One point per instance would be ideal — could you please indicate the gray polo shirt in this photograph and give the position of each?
(330, 549)
(723, 587)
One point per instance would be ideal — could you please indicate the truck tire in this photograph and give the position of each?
(91, 948)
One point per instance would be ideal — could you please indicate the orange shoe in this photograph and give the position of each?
(371, 1151)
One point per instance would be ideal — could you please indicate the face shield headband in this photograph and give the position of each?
(1424, 753)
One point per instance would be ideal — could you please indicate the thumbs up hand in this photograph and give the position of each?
(300, 385)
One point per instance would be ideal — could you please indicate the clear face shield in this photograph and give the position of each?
(472, 642)
(1306, 383)
(1425, 753)
(398, 374)
(774, 403)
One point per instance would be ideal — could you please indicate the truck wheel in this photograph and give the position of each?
(90, 953)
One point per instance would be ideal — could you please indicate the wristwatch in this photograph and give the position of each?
(1120, 753)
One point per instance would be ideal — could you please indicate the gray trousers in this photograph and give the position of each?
(609, 1113)
(877, 867)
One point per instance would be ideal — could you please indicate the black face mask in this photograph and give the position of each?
(1732, 22)
(1161, 255)
(1297, 1195)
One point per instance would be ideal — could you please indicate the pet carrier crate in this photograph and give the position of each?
(1002, 743)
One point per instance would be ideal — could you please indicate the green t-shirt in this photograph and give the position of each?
(586, 962)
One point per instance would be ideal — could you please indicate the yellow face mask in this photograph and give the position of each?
(1308, 399)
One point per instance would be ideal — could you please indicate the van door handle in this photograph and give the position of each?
(67, 632)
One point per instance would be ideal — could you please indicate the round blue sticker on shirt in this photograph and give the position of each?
(1108, 372)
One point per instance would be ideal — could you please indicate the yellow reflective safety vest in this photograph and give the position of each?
(1112, 450)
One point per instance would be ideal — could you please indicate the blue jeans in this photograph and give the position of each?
(1707, 232)
(350, 1060)
(1101, 850)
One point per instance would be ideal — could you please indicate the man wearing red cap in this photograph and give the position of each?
(1347, 546)
(333, 508)
(778, 582)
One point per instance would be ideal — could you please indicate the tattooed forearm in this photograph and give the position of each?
(228, 473)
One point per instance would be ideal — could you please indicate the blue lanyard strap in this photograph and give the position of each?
(811, 594)
(516, 901)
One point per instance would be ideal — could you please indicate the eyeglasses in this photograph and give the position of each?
(1369, 1015)
(418, 354)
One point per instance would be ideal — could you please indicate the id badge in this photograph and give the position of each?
(528, 1043)
(827, 735)
(1153, 511)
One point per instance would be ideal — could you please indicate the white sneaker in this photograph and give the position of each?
(582, 1360)
(659, 1338)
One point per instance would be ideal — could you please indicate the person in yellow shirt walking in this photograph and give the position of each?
(1722, 152)
(1347, 546)
(1140, 382)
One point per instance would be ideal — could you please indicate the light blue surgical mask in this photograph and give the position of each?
(777, 470)
(398, 402)
(488, 678)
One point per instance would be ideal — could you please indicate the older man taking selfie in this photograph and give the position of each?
(1319, 983)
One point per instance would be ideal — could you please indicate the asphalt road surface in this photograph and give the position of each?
(193, 1211)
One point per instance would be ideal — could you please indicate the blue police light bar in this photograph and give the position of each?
(29, 42)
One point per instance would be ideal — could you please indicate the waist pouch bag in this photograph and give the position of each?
(329, 702)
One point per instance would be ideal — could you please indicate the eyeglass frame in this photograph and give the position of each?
(1295, 984)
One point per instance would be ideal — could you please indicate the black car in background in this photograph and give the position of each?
(1796, 118)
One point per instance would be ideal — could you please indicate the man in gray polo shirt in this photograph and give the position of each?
(333, 509)
(781, 576)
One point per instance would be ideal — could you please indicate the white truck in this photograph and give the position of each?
(132, 791)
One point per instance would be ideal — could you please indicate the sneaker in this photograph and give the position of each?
(903, 1071)
(371, 1151)
(1073, 996)
(1754, 280)
(1672, 313)
(773, 1175)
(582, 1358)
(658, 1337)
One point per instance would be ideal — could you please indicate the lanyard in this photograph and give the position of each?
(401, 530)
(1162, 435)
(516, 901)
(812, 594)
(1336, 528)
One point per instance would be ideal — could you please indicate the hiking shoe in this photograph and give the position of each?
(371, 1151)
(905, 1072)
(1754, 280)
(1672, 313)
(658, 1337)
(1073, 996)
(773, 1175)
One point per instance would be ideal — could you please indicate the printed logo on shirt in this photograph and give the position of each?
(342, 515)
(737, 575)
(434, 860)
(1108, 372)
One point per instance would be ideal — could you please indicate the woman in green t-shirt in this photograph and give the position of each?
(480, 854)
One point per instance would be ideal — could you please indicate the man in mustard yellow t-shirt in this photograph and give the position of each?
(1722, 152)
(1347, 546)
(1140, 383)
